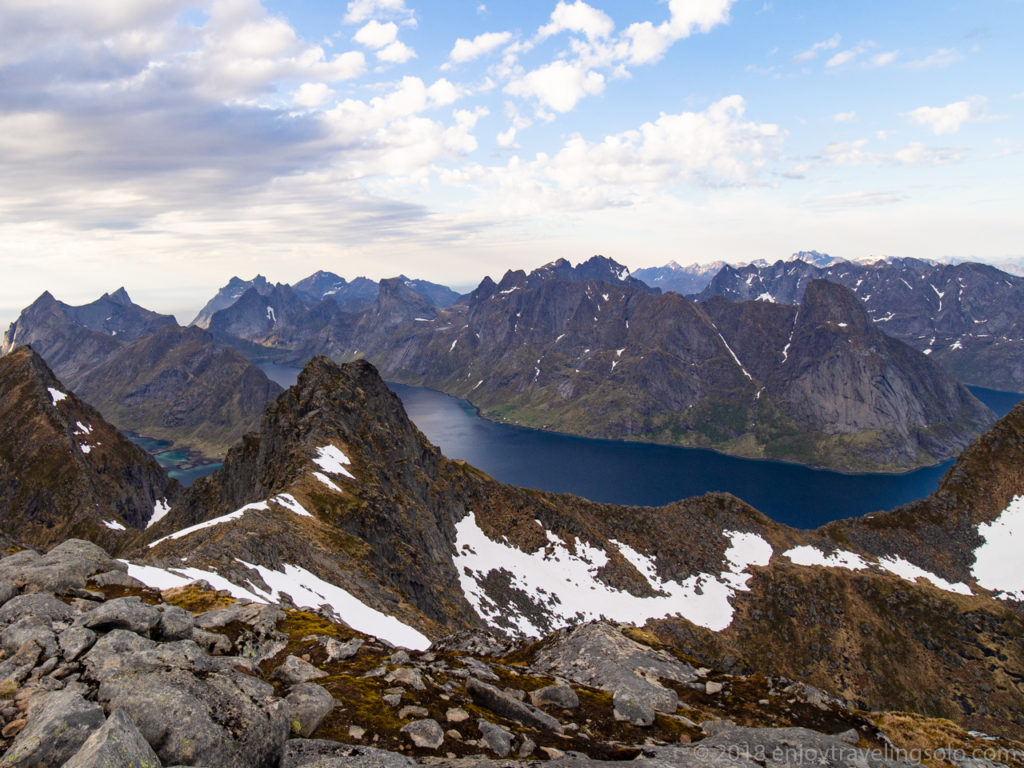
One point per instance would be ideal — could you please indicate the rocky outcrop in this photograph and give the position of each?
(65, 471)
(139, 698)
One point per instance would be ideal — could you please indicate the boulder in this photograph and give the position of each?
(562, 696)
(626, 706)
(123, 613)
(427, 733)
(29, 629)
(175, 623)
(497, 739)
(58, 724)
(224, 720)
(600, 655)
(295, 670)
(508, 706)
(117, 744)
(43, 606)
(338, 650)
(306, 705)
(74, 641)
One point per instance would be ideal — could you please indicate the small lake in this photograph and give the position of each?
(644, 474)
(172, 460)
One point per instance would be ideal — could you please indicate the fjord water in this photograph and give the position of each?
(645, 474)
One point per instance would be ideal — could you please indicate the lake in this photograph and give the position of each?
(173, 459)
(645, 474)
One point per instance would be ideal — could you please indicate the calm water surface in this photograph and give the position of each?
(644, 474)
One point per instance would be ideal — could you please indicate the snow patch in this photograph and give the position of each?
(453, 345)
(165, 578)
(82, 429)
(907, 570)
(211, 523)
(332, 460)
(86, 448)
(271, 315)
(564, 582)
(306, 588)
(289, 502)
(326, 481)
(160, 510)
(766, 297)
(997, 563)
(808, 555)
(56, 395)
(114, 525)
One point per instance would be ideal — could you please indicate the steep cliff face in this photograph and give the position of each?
(64, 471)
(338, 488)
(74, 339)
(177, 384)
(966, 316)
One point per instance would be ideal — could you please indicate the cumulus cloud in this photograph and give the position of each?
(948, 119)
(812, 52)
(559, 85)
(376, 35)
(844, 117)
(396, 53)
(361, 10)
(466, 50)
(578, 17)
(647, 43)
(312, 94)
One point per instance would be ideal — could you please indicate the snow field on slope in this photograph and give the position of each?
(565, 585)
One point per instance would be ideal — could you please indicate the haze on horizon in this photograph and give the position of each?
(166, 145)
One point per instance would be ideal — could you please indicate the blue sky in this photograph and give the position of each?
(167, 145)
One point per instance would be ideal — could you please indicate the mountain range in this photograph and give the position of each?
(591, 350)
(337, 499)
(144, 372)
(968, 317)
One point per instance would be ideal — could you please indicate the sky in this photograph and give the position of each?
(167, 145)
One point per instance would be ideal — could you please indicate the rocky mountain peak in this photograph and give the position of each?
(65, 470)
(828, 303)
(120, 296)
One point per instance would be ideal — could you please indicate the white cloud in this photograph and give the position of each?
(844, 117)
(812, 52)
(948, 119)
(578, 17)
(706, 148)
(507, 139)
(559, 85)
(361, 10)
(376, 35)
(466, 50)
(312, 94)
(396, 53)
(941, 58)
(884, 59)
(646, 43)
(917, 153)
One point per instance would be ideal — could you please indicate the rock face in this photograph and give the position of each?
(73, 339)
(177, 384)
(64, 471)
(228, 295)
(966, 316)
